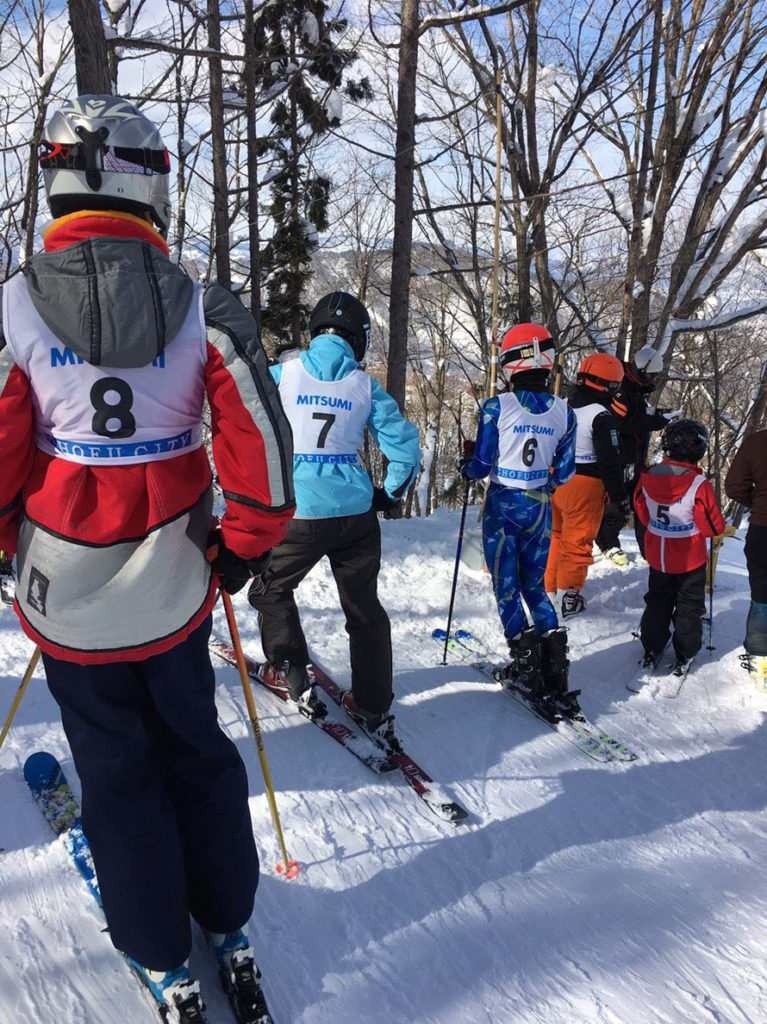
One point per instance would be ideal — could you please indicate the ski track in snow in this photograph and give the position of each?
(577, 893)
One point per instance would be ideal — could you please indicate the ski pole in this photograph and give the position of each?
(288, 866)
(455, 571)
(20, 693)
(711, 571)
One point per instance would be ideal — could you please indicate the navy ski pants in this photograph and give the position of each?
(164, 798)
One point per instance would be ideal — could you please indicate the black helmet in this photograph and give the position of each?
(685, 441)
(340, 313)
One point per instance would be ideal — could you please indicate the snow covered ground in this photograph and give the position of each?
(577, 893)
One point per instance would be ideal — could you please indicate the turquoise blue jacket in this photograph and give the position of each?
(326, 490)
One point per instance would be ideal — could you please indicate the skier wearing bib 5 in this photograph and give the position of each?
(330, 403)
(107, 352)
(677, 504)
(526, 445)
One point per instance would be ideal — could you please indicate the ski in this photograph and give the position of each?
(362, 747)
(646, 673)
(578, 730)
(671, 685)
(435, 799)
(53, 795)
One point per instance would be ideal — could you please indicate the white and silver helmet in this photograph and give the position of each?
(648, 360)
(102, 153)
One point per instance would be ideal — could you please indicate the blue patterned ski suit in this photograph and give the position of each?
(516, 522)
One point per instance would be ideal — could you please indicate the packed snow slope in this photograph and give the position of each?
(576, 893)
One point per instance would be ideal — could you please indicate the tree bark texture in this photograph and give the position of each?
(91, 58)
(404, 163)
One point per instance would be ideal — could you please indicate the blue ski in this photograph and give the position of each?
(48, 784)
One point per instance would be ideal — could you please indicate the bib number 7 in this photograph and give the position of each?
(329, 419)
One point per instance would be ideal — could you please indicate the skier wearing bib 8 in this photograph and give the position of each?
(107, 353)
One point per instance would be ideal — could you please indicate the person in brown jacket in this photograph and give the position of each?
(746, 482)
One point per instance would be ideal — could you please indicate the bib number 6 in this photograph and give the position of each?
(112, 418)
(528, 451)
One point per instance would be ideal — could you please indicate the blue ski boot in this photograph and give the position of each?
(177, 994)
(240, 976)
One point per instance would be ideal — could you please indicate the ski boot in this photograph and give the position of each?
(177, 994)
(557, 702)
(572, 603)
(756, 666)
(617, 556)
(292, 683)
(379, 726)
(240, 976)
(523, 673)
(681, 666)
(650, 659)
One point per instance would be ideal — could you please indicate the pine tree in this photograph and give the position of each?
(302, 71)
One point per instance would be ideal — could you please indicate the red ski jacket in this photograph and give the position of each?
(107, 353)
(666, 485)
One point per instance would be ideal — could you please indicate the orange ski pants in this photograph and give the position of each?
(576, 513)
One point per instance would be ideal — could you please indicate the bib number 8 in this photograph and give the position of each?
(108, 412)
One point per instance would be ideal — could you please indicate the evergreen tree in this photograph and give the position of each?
(302, 69)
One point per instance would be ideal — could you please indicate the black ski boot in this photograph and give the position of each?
(240, 980)
(557, 702)
(523, 673)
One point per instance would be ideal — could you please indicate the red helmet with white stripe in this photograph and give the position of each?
(527, 347)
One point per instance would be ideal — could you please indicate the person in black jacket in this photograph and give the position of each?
(635, 423)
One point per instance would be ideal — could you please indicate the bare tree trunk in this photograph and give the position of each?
(404, 163)
(254, 240)
(91, 58)
(220, 192)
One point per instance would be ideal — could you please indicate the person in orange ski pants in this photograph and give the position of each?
(577, 506)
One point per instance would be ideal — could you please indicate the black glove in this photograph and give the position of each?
(233, 571)
(617, 513)
(383, 503)
(469, 447)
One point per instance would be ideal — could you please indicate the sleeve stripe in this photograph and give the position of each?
(240, 365)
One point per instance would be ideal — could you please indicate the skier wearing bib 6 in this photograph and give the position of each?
(526, 445)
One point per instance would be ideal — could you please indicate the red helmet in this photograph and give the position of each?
(601, 371)
(527, 347)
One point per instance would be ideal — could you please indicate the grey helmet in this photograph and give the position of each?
(102, 153)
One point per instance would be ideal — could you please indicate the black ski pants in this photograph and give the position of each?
(677, 598)
(164, 798)
(609, 535)
(352, 545)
